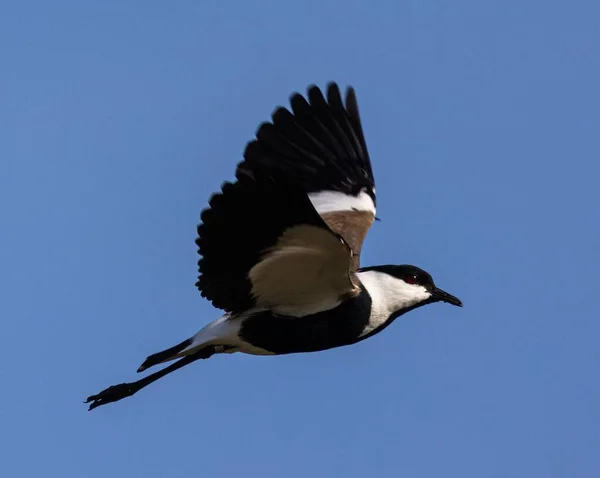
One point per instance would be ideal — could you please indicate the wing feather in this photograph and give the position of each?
(264, 245)
(320, 145)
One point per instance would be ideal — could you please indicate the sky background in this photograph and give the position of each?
(119, 119)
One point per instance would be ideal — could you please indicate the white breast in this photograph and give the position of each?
(388, 295)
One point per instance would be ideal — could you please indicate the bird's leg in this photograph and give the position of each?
(124, 390)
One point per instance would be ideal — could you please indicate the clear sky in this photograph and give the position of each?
(119, 119)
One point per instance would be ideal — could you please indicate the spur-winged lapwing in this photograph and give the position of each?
(280, 247)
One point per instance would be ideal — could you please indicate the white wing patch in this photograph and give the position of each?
(331, 201)
(306, 272)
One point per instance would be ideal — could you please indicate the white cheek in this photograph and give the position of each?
(408, 295)
(388, 295)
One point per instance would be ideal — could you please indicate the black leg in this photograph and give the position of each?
(123, 390)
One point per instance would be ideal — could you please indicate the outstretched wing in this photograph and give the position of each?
(264, 245)
(321, 146)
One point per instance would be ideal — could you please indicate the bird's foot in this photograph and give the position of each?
(112, 394)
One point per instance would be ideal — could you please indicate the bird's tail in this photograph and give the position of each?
(165, 356)
(222, 333)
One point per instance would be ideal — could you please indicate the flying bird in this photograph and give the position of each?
(280, 246)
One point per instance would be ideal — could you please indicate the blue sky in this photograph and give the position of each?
(119, 119)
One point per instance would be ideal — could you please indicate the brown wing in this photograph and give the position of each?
(320, 145)
(353, 226)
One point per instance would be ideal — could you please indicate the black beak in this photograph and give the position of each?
(438, 295)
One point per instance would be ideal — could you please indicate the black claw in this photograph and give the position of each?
(123, 390)
(91, 398)
(111, 394)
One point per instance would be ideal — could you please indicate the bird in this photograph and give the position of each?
(280, 245)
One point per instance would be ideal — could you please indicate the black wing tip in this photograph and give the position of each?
(334, 98)
(332, 87)
(312, 130)
(302, 104)
(352, 103)
(316, 97)
(280, 113)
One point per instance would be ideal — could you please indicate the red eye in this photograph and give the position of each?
(412, 279)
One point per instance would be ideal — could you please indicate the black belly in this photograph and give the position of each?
(325, 330)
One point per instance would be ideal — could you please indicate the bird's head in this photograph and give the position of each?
(419, 284)
(406, 287)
